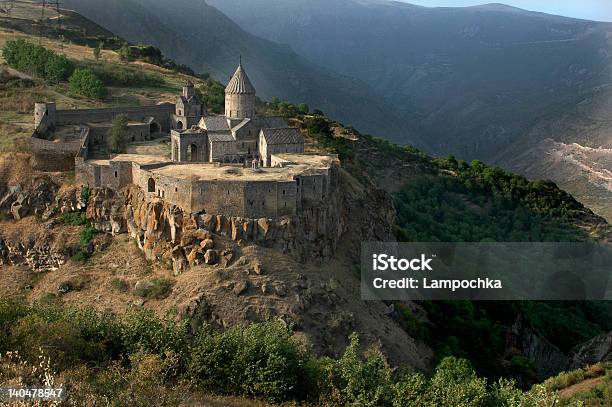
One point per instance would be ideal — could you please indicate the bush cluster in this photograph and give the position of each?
(85, 83)
(123, 76)
(260, 361)
(37, 60)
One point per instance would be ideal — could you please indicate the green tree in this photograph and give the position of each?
(118, 134)
(84, 82)
(125, 52)
(303, 108)
(97, 51)
(58, 68)
(37, 60)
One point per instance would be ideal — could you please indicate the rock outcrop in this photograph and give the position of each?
(165, 231)
(598, 349)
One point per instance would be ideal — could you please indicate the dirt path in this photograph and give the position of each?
(580, 387)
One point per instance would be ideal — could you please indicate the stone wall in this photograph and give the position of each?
(220, 150)
(182, 146)
(161, 113)
(50, 155)
(165, 230)
(239, 106)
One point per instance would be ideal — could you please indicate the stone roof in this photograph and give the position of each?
(287, 135)
(215, 123)
(240, 84)
(271, 122)
(191, 100)
(240, 124)
(220, 137)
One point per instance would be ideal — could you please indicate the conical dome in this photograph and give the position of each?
(240, 84)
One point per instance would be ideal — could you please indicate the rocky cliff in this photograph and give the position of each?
(165, 231)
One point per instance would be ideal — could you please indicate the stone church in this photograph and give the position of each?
(238, 136)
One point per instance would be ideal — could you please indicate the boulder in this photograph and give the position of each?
(207, 221)
(211, 256)
(195, 256)
(18, 211)
(240, 287)
(179, 261)
(207, 244)
(258, 269)
(263, 228)
(226, 257)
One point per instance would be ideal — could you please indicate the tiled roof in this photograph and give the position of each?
(240, 124)
(215, 123)
(240, 83)
(272, 122)
(220, 137)
(287, 135)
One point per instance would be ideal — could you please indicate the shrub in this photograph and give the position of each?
(62, 339)
(156, 288)
(143, 332)
(97, 51)
(120, 285)
(85, 83)
(260, 360)
(410, 390)
(123, 76)
(125, 52)
(455, 384)
(37, 60)
(74, 218)
(138, 359)
(356, 382)
(85, 193)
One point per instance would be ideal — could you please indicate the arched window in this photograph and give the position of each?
(151, 185)
(192, 153)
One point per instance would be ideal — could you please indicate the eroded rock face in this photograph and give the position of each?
(17, 202)
(313, 235)
(598, 349)
(38, 255)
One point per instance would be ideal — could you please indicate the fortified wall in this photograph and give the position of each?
(306, 182)
(50, 155)
(59, 155)
(52, 117)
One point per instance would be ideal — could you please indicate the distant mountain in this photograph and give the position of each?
(489, 82)
(475, 77)
(197, 34)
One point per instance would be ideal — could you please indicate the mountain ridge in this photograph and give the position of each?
(220, 42)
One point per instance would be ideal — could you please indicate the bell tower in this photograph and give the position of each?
(240, 96)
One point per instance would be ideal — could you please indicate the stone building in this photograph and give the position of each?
(189, 109)
(240, 96)
(275, 141)
(215, 164)
(235, 136)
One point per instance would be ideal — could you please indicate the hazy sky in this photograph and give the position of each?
(589, 9)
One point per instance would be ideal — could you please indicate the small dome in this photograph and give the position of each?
(240, 84)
